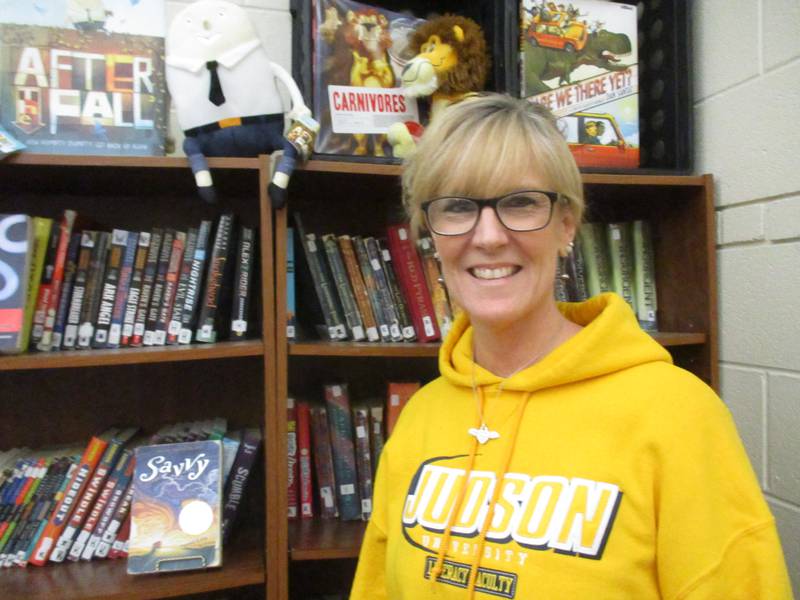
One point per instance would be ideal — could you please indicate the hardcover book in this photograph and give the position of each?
(291, 304)
(176, 508)
(644, 271)
(70, 269)
(344, 459)
(581, 62)
(359, 52)
(84, 77)
(323, 463)
(240, 474)
(359, 288)
(304, 460)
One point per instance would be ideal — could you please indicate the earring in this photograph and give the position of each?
(563, 270)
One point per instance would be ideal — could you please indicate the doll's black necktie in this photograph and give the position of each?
(215, 94)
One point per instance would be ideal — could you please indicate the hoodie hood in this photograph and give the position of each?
(610, 341)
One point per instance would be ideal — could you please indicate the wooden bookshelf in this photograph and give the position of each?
(130, 356)
(360, 199)
(320, 539)
(65, 397)
(243, 565)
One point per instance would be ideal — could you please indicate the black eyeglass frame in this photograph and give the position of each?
(492, 202)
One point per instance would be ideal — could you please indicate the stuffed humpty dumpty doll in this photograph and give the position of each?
(224, 89)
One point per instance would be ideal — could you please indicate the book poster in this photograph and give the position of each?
(84, 76)
(176, 508)
(580, 60)
(358, 55)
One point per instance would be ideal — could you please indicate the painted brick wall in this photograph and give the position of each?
(747, 111)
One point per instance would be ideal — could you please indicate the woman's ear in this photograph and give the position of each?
(569, 225)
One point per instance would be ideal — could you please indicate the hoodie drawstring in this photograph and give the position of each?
(436, 571)
(473, 575)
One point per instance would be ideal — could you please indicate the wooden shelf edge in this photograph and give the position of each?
(325, 539)
(321, 348)
(362, 349)
(243, 565)
(126, 356)
(74, 160)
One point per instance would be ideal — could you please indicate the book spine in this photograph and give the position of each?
(218, 263)
(376, 435)
(119, 548)
(75, 487)
(577, 288)
(94, 287)
(291, 300)
(323, 286)
(352, 317)
(384, 292)
(174, 327)
(117, 495)
(86, 502)
(80, 546)
(135, 289)
(170, 288)
(16, 250)
(363, 460)
(45, 286)
(621, 254)
(237, 482)
(64, 303)
(645, 276)
(372, 289)
(159, 282)
(406, 326)
(41, 235)
(359, 288)
(119, 241)
(433, 277)
(146, 294)
(123, 290)
(291, 455)
(323, 463)
(344, 461)
(194, 284)
(65, 236)
(412, 282)
(243, 282)
(115, 526)
(398, 394)
(304, 460)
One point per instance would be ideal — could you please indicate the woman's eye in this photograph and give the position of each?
(458, 205)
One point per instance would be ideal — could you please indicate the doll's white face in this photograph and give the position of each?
(207, 29)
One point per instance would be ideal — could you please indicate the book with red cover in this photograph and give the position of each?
(53, 294)
(304, 460)
(291, 454)
(412, 281)
(397, 396)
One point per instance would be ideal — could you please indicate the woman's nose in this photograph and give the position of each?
(489, 231)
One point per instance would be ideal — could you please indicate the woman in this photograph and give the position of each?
(560, 454)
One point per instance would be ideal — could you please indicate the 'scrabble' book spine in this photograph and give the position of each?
(237, 482)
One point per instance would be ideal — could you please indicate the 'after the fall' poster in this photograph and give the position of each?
(84, 76)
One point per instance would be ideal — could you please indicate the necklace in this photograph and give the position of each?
(483, 434)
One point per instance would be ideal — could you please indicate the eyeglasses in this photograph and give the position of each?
(523, 210)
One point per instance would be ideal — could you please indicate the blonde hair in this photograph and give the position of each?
(482, 146)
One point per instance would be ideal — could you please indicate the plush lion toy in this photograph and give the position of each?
(451, 62)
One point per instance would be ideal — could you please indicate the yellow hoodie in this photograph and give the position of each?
(615, 475)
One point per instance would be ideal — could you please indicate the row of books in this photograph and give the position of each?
(77, 503)
(79, 289)
(333, 451)
(613, 257)
(371, 289)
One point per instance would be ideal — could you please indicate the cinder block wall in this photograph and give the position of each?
(747, 133)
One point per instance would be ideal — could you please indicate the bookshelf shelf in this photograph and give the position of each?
(317, 539)
(243, 565)
(160, 162)
(130, 356)
(356, 198)
(361, 349)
